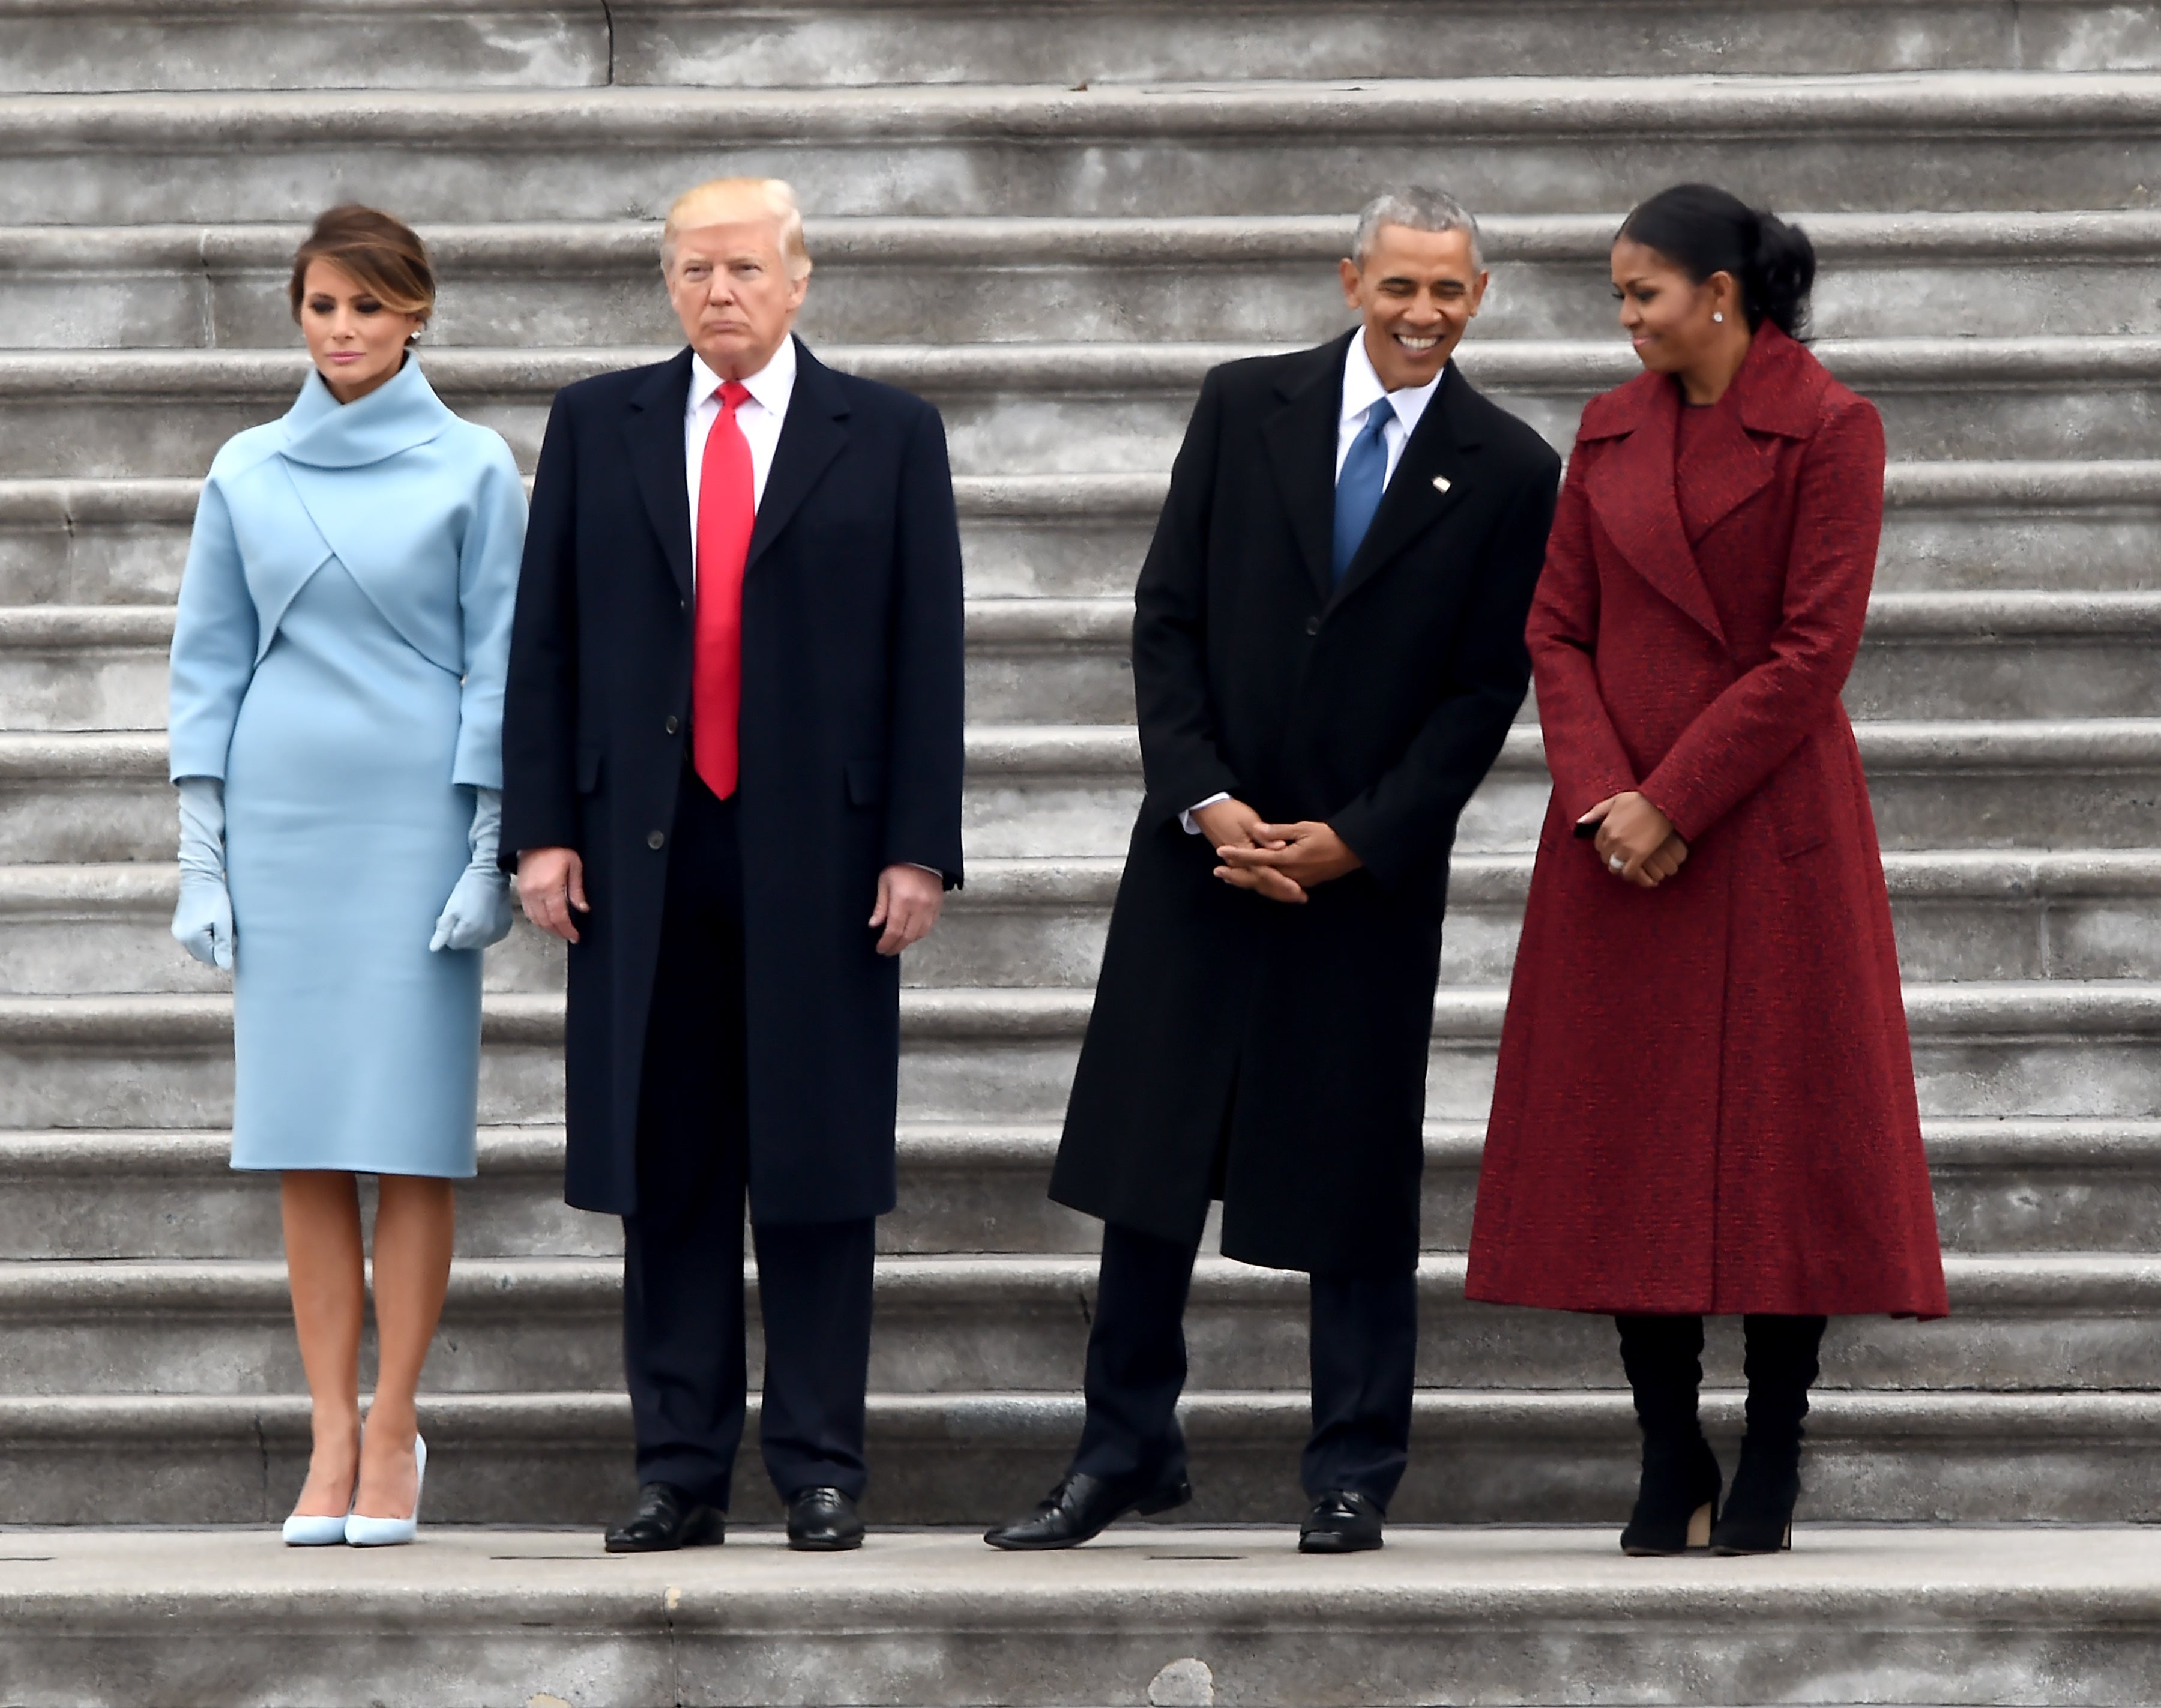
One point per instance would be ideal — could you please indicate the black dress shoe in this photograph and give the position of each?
(823, 1521)
(1340, 1523)
(1083, 1505)
(667, 1519)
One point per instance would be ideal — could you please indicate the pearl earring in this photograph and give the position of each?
(1719, 318)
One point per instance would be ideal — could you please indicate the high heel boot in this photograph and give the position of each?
(1781, 1366)
(1677, 1498)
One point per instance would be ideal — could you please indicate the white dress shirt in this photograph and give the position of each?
(1362, 390)
(759, 415)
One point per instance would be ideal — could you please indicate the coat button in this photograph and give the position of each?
(654, 839)
(1313, 625)
(673, 726)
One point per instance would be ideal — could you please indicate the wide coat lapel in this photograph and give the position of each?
(1632, 493)
(1301, 440)
(654, 428)
(1433, 473)
(810, 438)
(1774, 395)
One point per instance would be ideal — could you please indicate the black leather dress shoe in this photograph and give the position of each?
(823, 1521)
(666, 1518)
(1340, 1523)
(1081, 1506)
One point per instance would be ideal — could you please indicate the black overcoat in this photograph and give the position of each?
(1275, 1055)
(851, 754)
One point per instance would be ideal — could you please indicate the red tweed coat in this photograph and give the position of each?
(1706, 1095)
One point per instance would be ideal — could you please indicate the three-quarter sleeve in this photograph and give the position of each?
(214, 642)
(487, 594)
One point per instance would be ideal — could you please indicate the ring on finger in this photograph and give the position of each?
(1614, 862)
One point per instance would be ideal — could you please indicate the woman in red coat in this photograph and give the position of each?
(1705, 1095)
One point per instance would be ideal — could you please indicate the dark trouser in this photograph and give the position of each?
(683, 1253)
(1365, 1346)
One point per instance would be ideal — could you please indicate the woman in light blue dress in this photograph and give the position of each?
(338, 664)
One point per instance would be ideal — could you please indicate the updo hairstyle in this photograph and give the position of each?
(384, 256)
(1703, 229)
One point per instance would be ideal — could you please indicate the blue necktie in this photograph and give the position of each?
(1358, 488)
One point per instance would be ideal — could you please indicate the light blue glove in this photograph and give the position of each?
(478, 911)
(203, 921)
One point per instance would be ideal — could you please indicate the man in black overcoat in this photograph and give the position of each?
(732, 756)
(1328, 651)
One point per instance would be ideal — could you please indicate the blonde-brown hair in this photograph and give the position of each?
(384, 256)
(725, 198)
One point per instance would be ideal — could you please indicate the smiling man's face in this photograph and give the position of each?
(1418, 291)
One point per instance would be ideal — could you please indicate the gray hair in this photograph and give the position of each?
(1419, 209)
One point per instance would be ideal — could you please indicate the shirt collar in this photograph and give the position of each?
(771, 385)
(1363, 388)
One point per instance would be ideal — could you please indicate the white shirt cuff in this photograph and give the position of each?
(1186, 818)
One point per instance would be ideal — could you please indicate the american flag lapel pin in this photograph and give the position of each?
(1441, 483)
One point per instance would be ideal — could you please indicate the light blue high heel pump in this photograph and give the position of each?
(304, 1530)
(361, 1531)
(312, 1530)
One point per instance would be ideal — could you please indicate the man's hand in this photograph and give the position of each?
(1636, 835)
(551, 883)
(908, 899)
(1231, 824)
(1297, 855)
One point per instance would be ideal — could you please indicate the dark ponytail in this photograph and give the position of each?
(1703, 229)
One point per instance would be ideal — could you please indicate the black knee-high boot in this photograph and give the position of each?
(1678, 1495)
(1781, 1366)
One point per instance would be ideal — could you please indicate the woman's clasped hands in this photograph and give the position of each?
(1636, 842)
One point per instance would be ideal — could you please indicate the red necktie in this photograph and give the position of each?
(727, 507)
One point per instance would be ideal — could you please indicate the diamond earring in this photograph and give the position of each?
(1719, 318)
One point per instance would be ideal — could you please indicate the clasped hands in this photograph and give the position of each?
(1639, 836)
(551, 888)
(1280, 861)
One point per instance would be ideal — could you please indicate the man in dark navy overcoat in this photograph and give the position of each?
(732, 782)
(1328, 650)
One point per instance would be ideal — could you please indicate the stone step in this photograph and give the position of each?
(1036, 792)
(103, 667)
(2001, 1185)
(1486, 1456)
(87, 930)
(1529, 144)
(1948, 526)
(2009, 1049)
(2027, 655)
(1167, 1614)
(967, 1324)
(1076, 408)
(522, 44)
(1269, 279)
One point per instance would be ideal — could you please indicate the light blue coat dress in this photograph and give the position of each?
(338, 659)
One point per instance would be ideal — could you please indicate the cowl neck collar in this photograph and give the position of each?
(397, 415)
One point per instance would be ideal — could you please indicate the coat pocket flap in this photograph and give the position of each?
(1800, 842)
(865, 782)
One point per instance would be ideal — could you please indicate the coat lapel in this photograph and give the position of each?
(655, 430)
(1632, 492)
(1433, 475)
(810, 438)
(1772, 395)
(1301, 440)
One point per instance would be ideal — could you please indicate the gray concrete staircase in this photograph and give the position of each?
(1052, 216)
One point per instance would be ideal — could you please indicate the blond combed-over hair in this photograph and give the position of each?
(725, 200)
